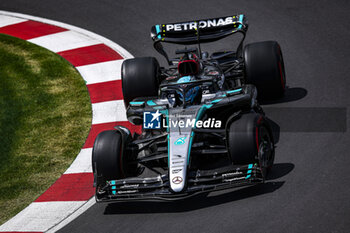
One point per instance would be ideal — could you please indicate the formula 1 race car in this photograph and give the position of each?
(203, 129)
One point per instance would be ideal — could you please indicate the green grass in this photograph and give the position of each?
(45, 116)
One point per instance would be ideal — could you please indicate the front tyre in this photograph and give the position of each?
(107, 157)
(250, 141)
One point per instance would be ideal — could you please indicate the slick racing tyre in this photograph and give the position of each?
(140, 78)
(250, 141)
(264, 68)
(107, 157)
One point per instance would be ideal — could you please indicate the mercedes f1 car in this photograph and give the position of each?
(203, 129)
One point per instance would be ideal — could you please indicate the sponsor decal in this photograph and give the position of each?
(178, 162)
(213, 73)
(177, 157)
(201, 24)
(180, 141)
(177, 180)
(231, 174)
(130, 186)
(175, 171)
(127, 191)
(233, 179)
(151, 120)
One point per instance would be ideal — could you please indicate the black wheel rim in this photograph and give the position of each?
(265, 152)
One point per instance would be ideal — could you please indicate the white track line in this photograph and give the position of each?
(82, 162)
(62, 41)
(40, 216)
(8, 20)
(109, 111)
(101, 72)
(73, 216)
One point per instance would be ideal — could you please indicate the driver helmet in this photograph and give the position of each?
(191, 94)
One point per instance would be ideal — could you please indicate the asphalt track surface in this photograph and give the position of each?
(308, 189)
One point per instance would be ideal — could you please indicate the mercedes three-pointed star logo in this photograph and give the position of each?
(177, 180)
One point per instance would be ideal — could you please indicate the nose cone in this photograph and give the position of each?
(177, 179)
(179, 144)
(178, 157)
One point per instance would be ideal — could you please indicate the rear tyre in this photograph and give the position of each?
(264, 68)
(107, 157)
(250, 141)
(140, 78)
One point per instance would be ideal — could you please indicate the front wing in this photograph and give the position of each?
(197, 182)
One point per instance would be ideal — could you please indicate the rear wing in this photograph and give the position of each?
(198, 31)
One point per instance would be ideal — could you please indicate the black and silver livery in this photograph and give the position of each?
(214, 134)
